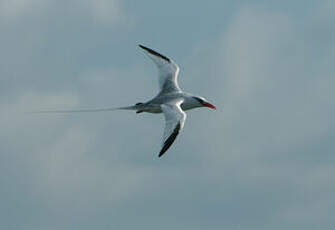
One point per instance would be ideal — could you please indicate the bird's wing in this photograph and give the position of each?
(168, 71)
(174, 122)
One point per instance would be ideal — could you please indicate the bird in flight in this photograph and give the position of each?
(170, 100)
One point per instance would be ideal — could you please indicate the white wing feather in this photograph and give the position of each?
(174, 122)
(168, 71)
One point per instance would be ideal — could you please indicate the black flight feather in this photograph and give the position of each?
(170, 140)
(155, 53)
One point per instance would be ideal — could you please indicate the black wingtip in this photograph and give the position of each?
(154, 53)
(144, 47)
(170, 140)
(161, 153)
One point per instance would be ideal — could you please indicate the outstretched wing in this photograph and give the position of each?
(174, 122)
(168, 71)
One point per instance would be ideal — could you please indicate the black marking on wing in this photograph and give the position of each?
(199, 100)
(155, 53)
(170, 140)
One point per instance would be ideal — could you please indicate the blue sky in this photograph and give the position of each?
(263, 160)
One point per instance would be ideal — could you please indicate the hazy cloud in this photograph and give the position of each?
(101, 11)
(264, 160)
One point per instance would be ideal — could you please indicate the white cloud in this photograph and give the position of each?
(11, 9)
(104, 11)
(61, 155)
(99, 11)
(276, 110)
(261, 156)
(268, 79)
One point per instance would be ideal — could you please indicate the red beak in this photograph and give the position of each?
(209, 105)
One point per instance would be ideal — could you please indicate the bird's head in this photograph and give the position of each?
(202, 102)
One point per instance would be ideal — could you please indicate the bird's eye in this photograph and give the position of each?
(199, 100)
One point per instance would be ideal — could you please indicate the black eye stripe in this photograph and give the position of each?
(199, 100)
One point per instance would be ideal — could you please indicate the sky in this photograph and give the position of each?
(263, 160)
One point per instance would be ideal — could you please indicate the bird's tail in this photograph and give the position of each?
(132, 107)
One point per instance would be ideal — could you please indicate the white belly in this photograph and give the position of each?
(152, 109)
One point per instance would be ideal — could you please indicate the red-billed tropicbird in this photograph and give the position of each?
(171, 100)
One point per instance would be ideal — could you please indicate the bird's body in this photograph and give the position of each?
(171, 100)
(154, 105)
